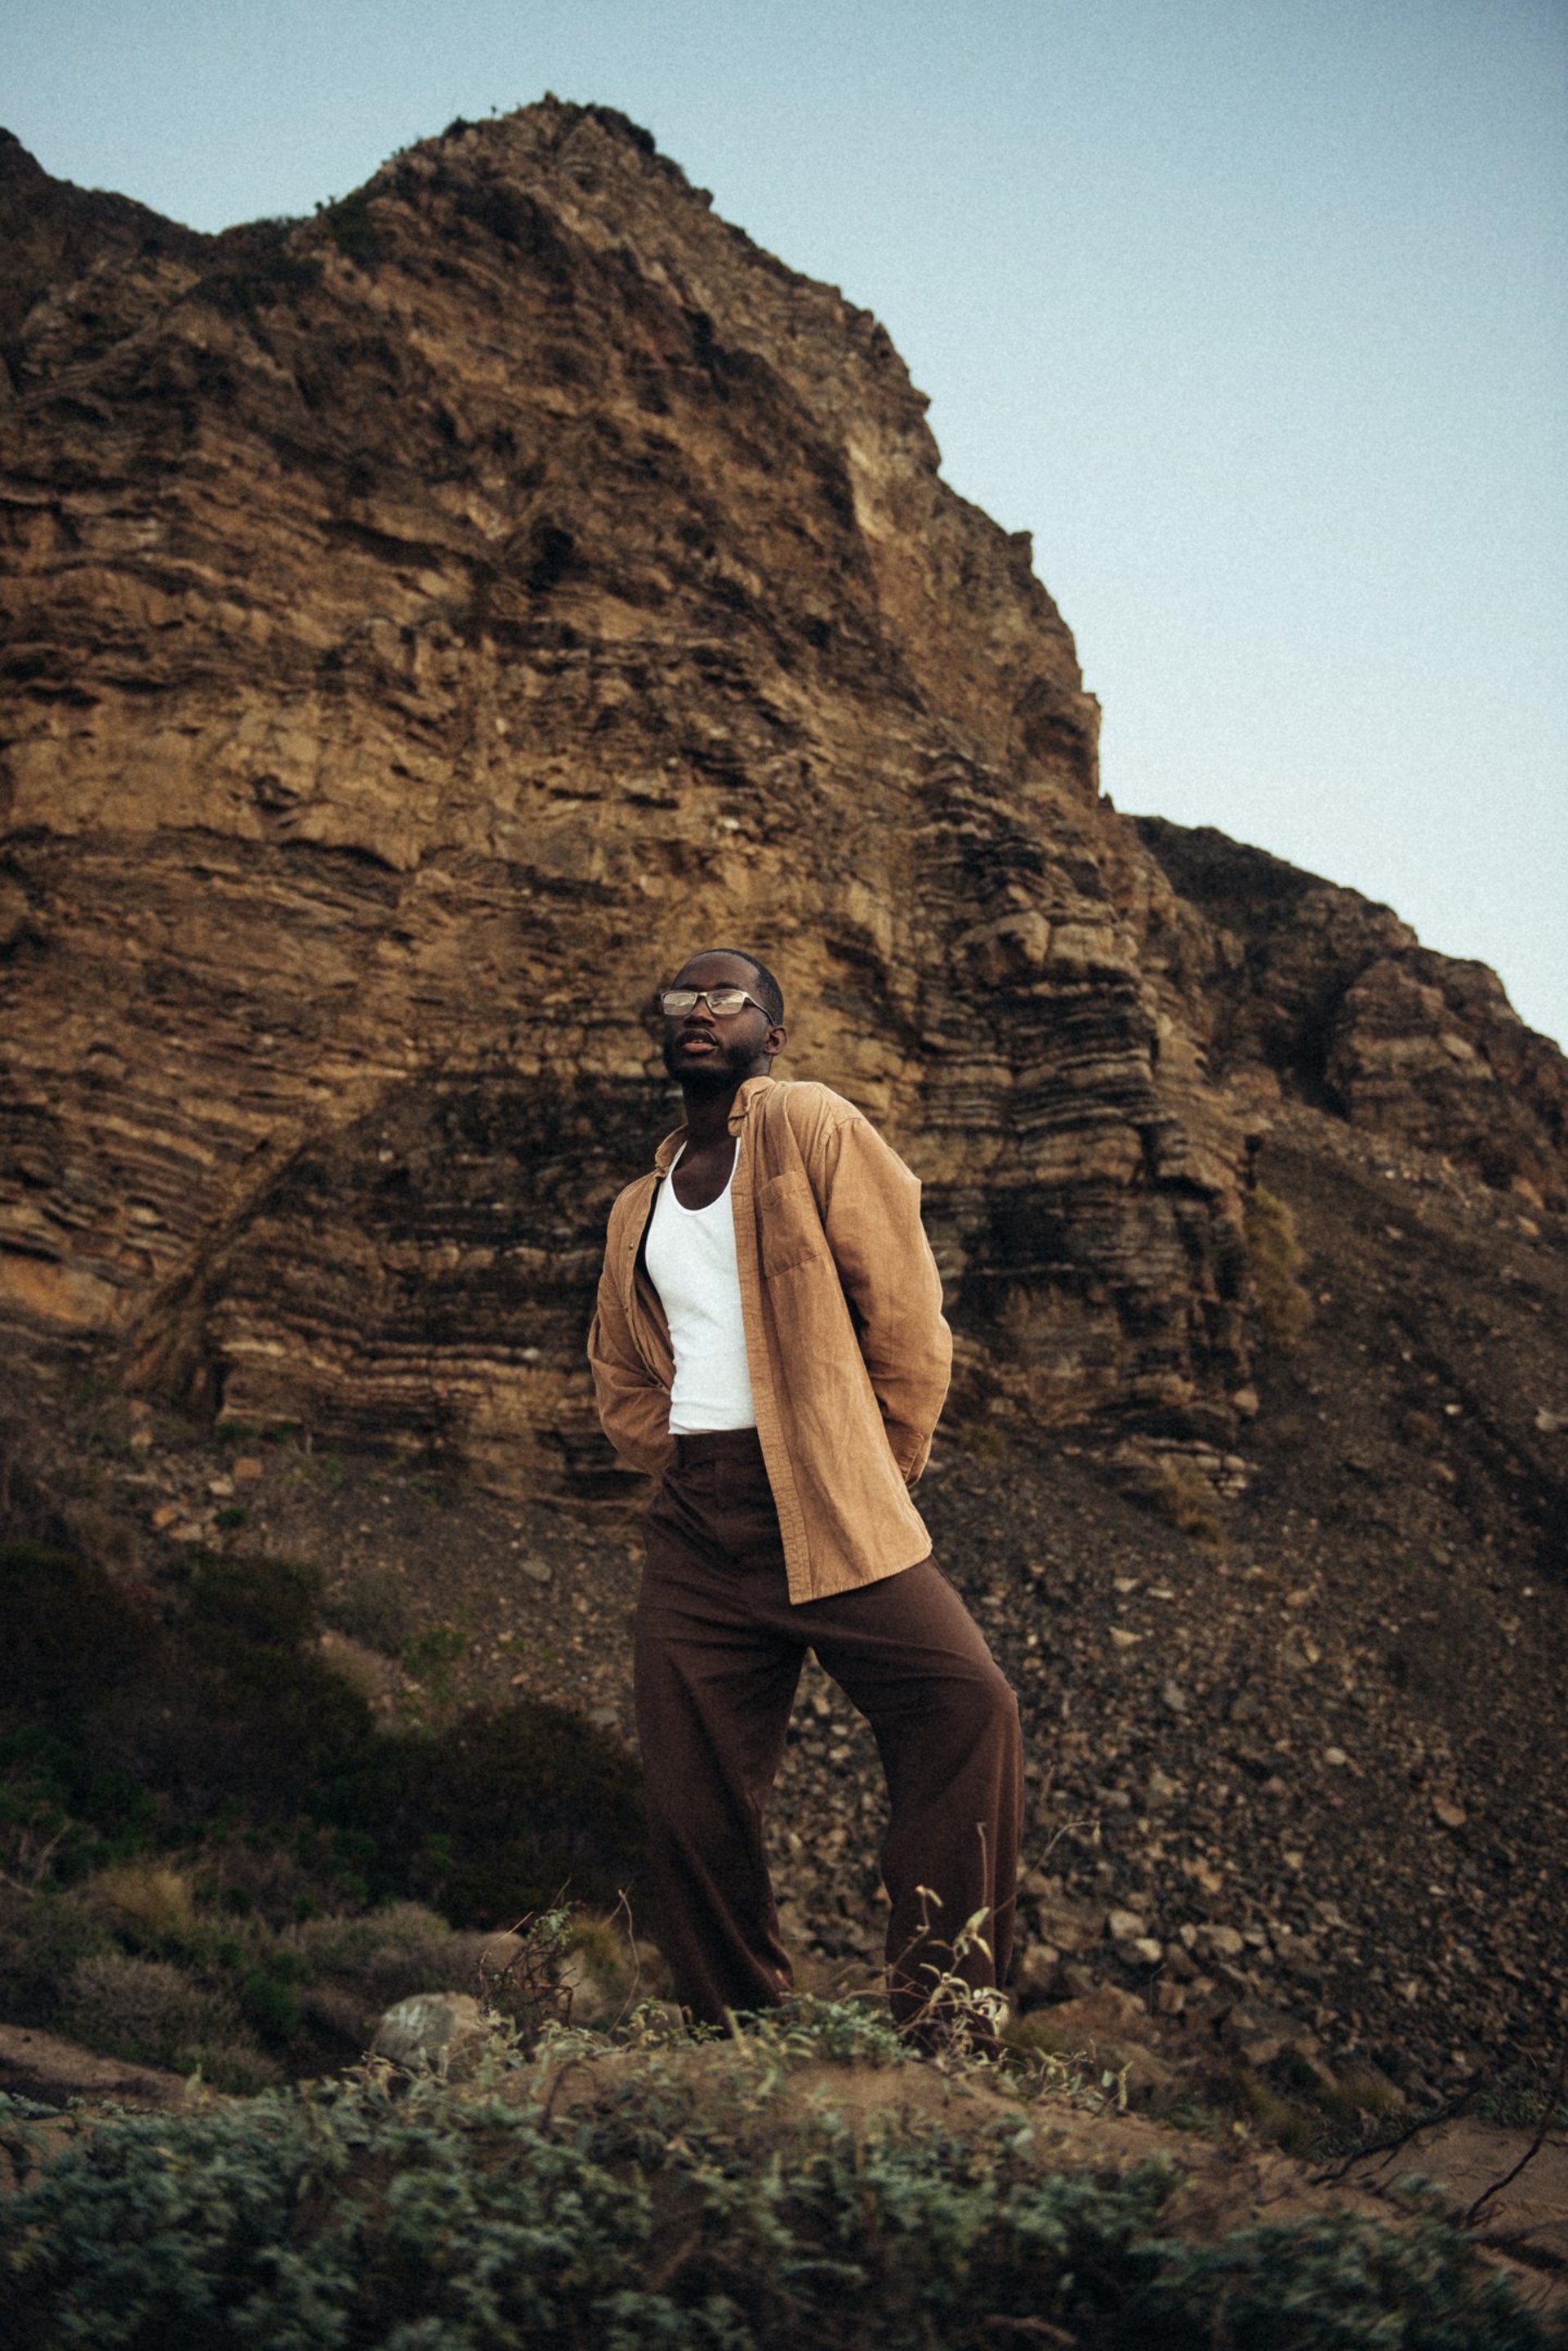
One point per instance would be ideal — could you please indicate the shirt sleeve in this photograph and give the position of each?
(870, 1207)
(633, 1404)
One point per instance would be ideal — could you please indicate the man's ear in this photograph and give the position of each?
(775, 1040)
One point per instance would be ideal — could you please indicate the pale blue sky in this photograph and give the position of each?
(1253, 311)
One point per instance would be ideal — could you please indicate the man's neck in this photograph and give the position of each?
(707, 1110)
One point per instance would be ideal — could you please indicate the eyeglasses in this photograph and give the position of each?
(724, 1003)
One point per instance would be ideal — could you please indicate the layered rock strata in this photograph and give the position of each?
(1313, 992)
(424, 625)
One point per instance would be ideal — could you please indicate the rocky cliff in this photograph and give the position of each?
(424, 625)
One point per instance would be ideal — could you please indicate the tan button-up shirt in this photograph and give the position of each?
(842, 1302)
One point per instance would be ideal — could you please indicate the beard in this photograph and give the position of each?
(715, 1073)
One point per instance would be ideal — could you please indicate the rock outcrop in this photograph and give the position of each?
(1314, 993)
(425, 623)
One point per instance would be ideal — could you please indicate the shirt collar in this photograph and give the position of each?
(740, 1109)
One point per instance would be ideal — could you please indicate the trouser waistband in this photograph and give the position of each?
(718, 1444)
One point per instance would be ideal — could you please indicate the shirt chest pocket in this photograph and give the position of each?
(789, 1230)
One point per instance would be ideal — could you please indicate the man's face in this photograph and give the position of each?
(701, 1049)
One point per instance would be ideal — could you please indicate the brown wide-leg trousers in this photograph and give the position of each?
(720, 1649)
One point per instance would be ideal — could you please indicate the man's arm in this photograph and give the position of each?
(634, 1407)
(870, 1204)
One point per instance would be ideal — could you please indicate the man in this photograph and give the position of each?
(769, 1344)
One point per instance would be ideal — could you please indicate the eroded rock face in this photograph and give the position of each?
(1318, 993)
(429, 624)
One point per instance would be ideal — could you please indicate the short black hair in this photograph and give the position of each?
(768, 988)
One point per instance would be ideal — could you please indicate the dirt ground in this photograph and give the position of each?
(1295, 1781)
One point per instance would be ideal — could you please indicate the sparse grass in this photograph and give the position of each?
(1303, 2107)
(1520, 2106)
(1179, 1493)
(146, 1900)
(1273, 1246)
(430, 1657)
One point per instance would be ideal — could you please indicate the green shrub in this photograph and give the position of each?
(491, 1819)
(154, 2014)
(387, 1955)
(67, 1636)
(681, 2204)
(42, 1937)
(120, 1733)
(271, 1601)
(353, 229)
(59, 1815)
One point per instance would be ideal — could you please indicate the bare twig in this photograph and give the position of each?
(1554, 2098)
(1036, 2330)
(1447, 2112)
(621, 1915)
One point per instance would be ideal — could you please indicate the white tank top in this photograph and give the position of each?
(690, 1255)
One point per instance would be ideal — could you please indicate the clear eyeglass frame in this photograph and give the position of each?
(724, 1003)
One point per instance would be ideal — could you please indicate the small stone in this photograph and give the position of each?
(220, 1489)
(1149, 1949)
(442, 2032)
(1336, 1756)
(1122, 1639)
(1104, 2013)
(1034, 1971)
(140, 1440)
(248, 1469)
(1125, 1927)
(1246, 1402)
(1551, 1424)
(1225, 1940)
(1173, 1696)
(1451, 1816)
(1170, 1998)
(165, 1515)
(537, 1570)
